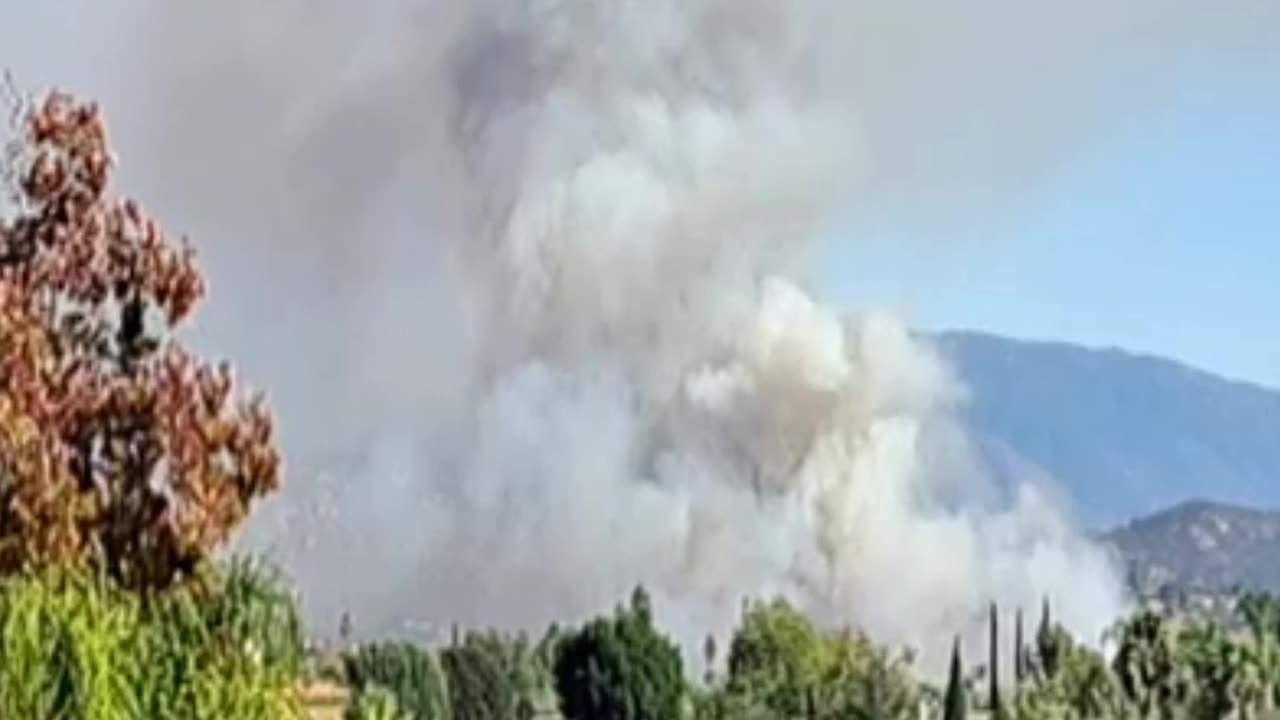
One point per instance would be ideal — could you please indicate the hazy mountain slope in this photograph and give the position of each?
(1203, 544)
(1127, 435)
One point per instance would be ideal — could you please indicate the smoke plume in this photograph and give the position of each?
(529, 281)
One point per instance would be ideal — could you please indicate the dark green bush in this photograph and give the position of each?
(495, 676)
(480, 688)
(620, 668)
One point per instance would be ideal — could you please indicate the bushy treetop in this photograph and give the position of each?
(119, 448)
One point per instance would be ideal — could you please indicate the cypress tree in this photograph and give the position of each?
(954, 706)
(993, 666)
(1047, 643)
(1019, 658)
(709, 657)
(1019, 663)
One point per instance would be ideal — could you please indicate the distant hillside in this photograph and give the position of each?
(1126, 435)
(1203, 544)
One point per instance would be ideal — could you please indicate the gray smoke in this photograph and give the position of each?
(529, 283)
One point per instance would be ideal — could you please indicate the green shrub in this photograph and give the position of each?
(621, 668)
(171, 647)
(66, 649)
(252, 608)
(228, 646)
(76, 647)
(479, 686)
(777, 658)
(410, 673)
(494, 676)
(230, 687)
(375, 703)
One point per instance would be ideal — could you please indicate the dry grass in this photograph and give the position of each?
(325, 700)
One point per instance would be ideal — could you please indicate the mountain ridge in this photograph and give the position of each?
(1125, 434)
(1202, 544)
(1115, 352)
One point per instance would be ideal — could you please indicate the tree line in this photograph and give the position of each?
(780, 666)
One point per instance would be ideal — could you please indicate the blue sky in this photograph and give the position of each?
(1159, 234)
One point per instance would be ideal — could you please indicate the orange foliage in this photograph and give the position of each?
(118, 447)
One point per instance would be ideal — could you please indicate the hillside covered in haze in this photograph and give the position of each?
(1126, 435)
(1201, 544)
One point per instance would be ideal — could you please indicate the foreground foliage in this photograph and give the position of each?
(120, 450)
(75, 647)
(376, 703)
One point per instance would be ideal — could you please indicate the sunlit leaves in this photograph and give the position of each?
(119, 448)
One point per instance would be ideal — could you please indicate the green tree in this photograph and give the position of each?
(1147, 666)
(781, 666)
(994, 702)
(955, 706)
(709, 660)
(1222, 679)
(492, 675)
(620, 668)
(1261, 614)
(1081, 688)
(1049, 644)
(778, 659)
(1019, 654)
(410, 673)
(480, 688)
(865, 682)
(1085, 684)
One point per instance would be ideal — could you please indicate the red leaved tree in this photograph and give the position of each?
(119, 449)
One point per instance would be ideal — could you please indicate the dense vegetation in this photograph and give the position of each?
(126, 463)
(781, 666)
(79, 648)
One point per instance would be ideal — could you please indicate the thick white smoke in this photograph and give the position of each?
(642, 389)
(543, 327)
